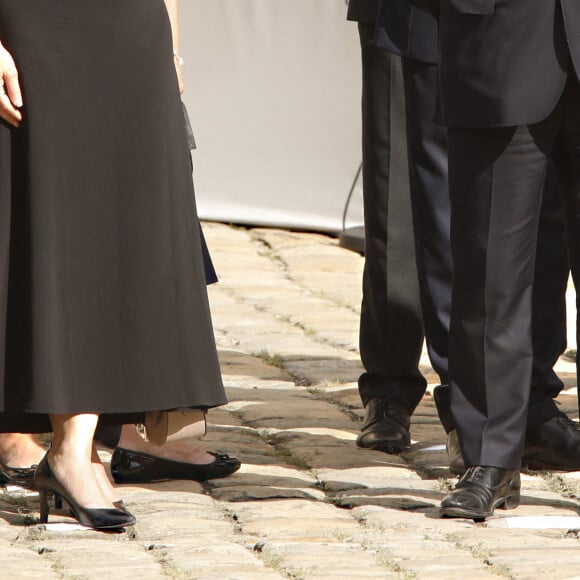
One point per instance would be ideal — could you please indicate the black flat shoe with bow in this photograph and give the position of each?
(21, 476)
(480, 491)
(134, 467)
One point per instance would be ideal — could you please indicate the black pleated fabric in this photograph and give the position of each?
(103, 304)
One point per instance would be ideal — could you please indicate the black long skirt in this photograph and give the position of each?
(103, 304)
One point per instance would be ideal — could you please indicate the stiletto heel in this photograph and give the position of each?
(44, 507)
(98, 519)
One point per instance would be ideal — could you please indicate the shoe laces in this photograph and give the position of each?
(474, 473)
(393, 410)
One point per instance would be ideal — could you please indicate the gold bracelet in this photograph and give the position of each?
(180, 60)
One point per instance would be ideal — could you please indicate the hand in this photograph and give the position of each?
(10, 95)
(179, 73)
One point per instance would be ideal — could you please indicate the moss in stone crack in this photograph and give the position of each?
(337, 499)
(557, 484)
(14, 498)
(36, 534)
(361, 517)
(283, 453)
(445, 484)
(482, 554)
(168, 567)
(273, 360)
(277, 563)
(341, 536)
(394, 566)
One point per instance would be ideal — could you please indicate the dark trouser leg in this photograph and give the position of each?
(391, 327)
(427, 147)
(548, 304)
(496, 179)
(567, 161)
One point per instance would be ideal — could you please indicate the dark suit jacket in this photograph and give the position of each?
(404, 27)
(363, 10)
(505, 62)
(409, 28)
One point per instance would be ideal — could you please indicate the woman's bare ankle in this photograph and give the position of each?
(20, 450)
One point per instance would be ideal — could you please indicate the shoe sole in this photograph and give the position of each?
(508, 503)
(384, 447)
(538, 465)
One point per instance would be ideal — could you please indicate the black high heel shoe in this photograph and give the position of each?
(98, 519)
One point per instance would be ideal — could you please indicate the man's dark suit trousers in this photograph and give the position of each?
(393, 308)
(398, 237)
(496, 180)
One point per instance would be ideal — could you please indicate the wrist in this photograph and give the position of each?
(178, 59)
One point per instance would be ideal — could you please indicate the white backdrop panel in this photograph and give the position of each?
(273, 91)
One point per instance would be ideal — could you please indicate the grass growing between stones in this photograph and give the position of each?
(328, 298)
(37, 534)
(282, 453)
(394, 566)
(276, 562)
(168, 567)
(321, 395)
(17, 499)
(557, 484)
(273, 360)
(445, 484)
(483, 555)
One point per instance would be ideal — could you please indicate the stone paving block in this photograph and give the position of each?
(280, 239)
(303, 441)
(241, 364)
(173, 490)
(562, 561)
(167, 526)
(24, 562)
(262, 393)
(295, 529)
(326, 558)
(308, 435)
(343, 455)
(334, 285)
(345, 394)
(266, 476)
(378, 477)
(448, 566)
(399, 502)
(243, 493)
(332, 458)
(381, 574)
(319, 369)
(306, 511)
(379, 473)
(297, 411)
(215, 559)
(104, 557)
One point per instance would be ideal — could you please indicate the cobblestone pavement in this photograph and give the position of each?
(306, 503)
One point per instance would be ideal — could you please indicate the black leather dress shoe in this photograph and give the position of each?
(134, 467)
(21, 476)
(456, 464)
(480, 490)
(554, 445)
(386, 426)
